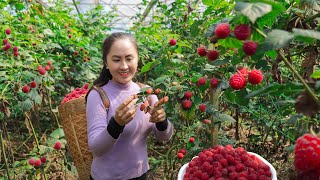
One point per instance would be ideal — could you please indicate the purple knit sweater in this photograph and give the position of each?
(125, 157)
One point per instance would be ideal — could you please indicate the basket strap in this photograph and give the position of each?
(103, 96)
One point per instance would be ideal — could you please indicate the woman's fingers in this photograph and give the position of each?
(126, 102)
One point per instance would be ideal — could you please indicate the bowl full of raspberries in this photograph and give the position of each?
(227, 163)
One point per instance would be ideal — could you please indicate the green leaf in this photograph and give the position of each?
(19, 6)
(26, 105)
(277, 39)
(294, 118)
(57, 134)
(306, 33)
(225, 118)
(195, 28)
(35, 96)
(220, 62)
(253, 10)
(208, 2)
(230, 42)
(316, 75)
(146, 67)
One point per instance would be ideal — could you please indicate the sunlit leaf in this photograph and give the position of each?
(277, 39)
(253, 10)
(306, 33)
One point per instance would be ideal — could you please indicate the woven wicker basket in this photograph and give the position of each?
(74, 124)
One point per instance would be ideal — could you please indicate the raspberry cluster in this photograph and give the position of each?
(307, 157)
(239, 80)
(227, 163)
(76, 93)
(144, 92)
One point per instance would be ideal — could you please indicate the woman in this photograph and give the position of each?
(117, 138)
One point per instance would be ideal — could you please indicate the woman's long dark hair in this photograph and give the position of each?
(105, 74)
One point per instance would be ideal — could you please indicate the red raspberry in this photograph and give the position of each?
(187, 95)
(233, 176)
(237, 81)
(47, 68)
(206, 121)
(57, 145)
(222, 30)
(37, 163)
(42, 71)
(249, 48)
(208, 154)
(43, 159)
(25, 89)
(172, 42)
(15, 49)
(240, 167)
(16, 54)
(186, 104)
(149, 91)
(202, 107)
(76, 53)
(183, 151)
(157, 91)
(7, 46)
(201, 51)
(191, 139)
(307, 153)
(86, 86)
(214, 82)
(8, 31)
(180, 155)
(242, 31)
(201, 81)
(212, 55)
(243, 71)
(255, 76)
(5, 41)
(224, 162)
(31, 161)
(205, 176)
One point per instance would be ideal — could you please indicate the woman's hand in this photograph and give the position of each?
(157, 113)
(126, 111)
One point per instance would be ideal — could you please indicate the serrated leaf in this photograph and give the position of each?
(253, 10)
(26, 105)
(195, 28)
(306, 33)
(277, 39)
(57, 134)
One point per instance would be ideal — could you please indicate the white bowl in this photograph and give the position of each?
(183, 169)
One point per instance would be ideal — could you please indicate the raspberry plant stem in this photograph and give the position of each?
(309, 90)
(4, 155)
(33, 132)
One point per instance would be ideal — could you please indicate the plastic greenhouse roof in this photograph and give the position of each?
(125, 10)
